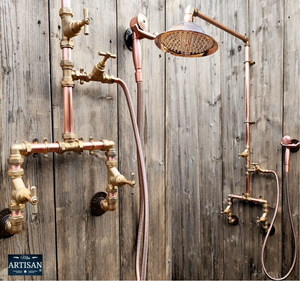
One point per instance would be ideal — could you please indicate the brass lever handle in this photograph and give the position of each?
(86, 21)
(132, 180)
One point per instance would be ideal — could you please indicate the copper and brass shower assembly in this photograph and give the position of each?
(11, 219)
(186, 39)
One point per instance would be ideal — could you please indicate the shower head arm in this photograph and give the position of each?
(196, 13)
(142, 34)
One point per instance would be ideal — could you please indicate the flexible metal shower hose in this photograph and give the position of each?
(271, 225)
(144, 205)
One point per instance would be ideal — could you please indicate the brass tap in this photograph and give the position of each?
(263, 218)
(97, 73)
(70, 27)
(254, 168)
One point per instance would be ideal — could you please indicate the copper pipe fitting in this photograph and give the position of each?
(196, 13)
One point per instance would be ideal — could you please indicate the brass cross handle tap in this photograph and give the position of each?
(86, 21)
(106, 55)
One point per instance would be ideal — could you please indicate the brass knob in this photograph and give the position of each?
(87, 21)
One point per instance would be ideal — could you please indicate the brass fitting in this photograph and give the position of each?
(74, 145)
(70, 27)
(14, 224)
(254, 168)
(16, 152)
(245, 153)
(97, 73)
(264, 216)
(67, 67)
(107, 145)
(110, 202)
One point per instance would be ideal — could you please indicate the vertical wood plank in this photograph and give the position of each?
(232, 76)
(291, 127)
(88, 246)
(152, 141)
(194, 157)
(25, 114)
(266, 26)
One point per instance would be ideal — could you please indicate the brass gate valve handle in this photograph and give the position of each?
(86, 21)
(106, 55)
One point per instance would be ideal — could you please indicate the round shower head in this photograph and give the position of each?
(186, 39)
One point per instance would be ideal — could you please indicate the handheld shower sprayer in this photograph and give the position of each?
(291, 145)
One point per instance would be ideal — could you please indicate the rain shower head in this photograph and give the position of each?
(186, 39)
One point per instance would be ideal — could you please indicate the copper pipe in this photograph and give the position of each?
(250, 199)
(95, 144)
(143, 172)
(16, 213)
(67, 91)
(221, 26)
(67, 54)
(271, 225)
(54, 147)
(68, 111)
(247, 106)
(65, 3)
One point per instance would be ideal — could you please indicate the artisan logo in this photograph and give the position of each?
(25, 264)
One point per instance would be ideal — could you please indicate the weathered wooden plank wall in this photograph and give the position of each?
(192, 131)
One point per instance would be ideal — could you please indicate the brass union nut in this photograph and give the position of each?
(15, 173)
(107, 144)
(65, 11)
(68, 137)
(28, 148)
(16, 207)
(62, 147)
(79, 146)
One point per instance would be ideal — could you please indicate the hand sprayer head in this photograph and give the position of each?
(286, 140)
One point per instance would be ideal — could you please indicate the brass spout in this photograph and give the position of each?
(245, 153)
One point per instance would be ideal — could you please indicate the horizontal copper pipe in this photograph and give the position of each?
(54, 147)
(89, 145)
(41, 147)
(13, 167)
(243, 198)
(221, 26)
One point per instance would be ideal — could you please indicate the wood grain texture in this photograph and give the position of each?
(25, 114)
(266, 26)
(193, 157)
(152, 134)
(88, 246)
(291, 127)
(193, 131)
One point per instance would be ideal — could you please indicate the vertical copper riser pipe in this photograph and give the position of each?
(247, 105)
(67, 91)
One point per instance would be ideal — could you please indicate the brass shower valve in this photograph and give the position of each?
(254, 168)
(70, 27)
(97, 73)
